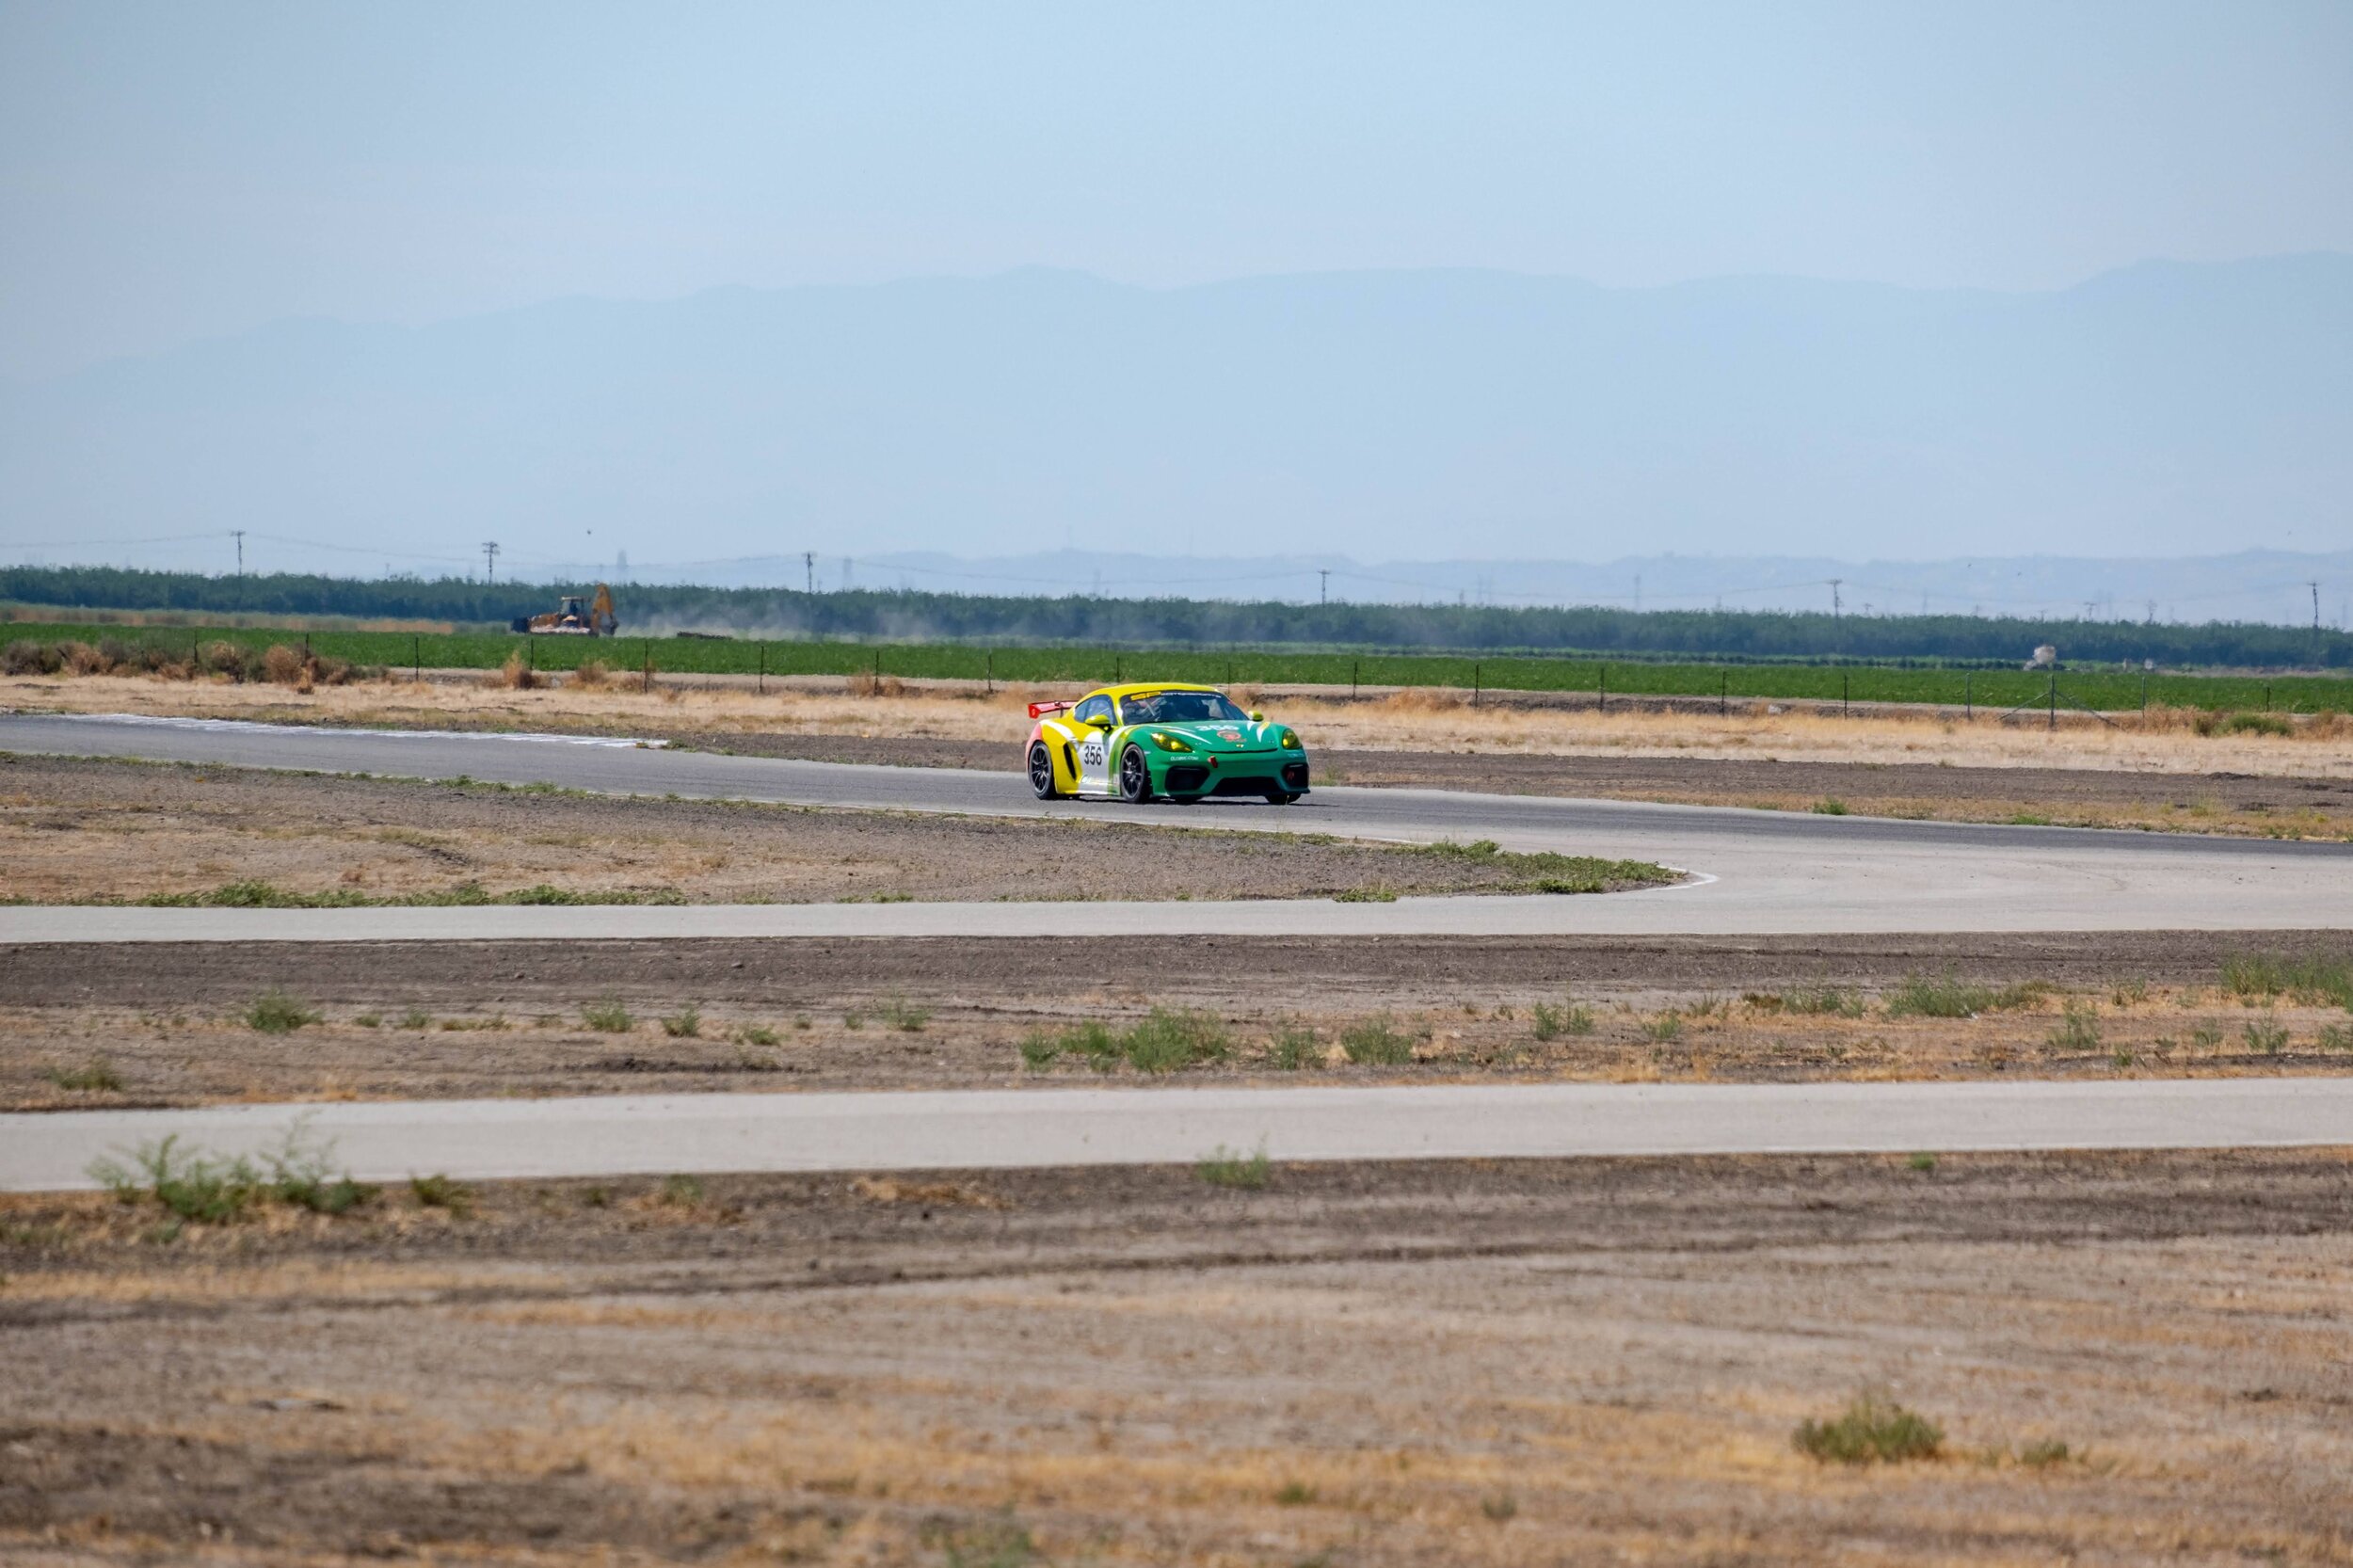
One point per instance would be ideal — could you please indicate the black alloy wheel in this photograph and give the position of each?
(1041, 771)
(1135, 778)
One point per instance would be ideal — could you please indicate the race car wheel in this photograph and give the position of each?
(1135, 779)
(1041, 771)
(1279, 797)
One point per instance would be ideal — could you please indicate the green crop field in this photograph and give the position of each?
(2110, 689)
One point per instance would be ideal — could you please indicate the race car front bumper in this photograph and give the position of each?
(1245, 773)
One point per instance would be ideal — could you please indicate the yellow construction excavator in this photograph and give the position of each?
(575, 616)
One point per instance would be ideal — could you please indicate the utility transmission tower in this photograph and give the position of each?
(1323, 587)
(1834, 606)
(238, 533)
(809, 568)
(2316, 588)
(489, 560)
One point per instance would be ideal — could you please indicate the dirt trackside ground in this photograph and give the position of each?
(2128, 1359)
(173, 1023)
(75, 831)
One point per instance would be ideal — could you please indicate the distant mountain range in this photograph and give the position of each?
(2161, 411)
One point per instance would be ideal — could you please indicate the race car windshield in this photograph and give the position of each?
(1182, 708)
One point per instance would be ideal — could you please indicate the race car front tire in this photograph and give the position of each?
(1135, 777)
(1042, 772)
(1280, 797)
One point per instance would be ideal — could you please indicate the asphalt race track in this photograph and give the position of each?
(623, 1135)
(1754, 873)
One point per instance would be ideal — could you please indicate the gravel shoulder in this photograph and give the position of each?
(172, 1023)
(2129, 1358)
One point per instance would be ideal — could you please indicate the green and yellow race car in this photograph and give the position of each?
(1143, 742)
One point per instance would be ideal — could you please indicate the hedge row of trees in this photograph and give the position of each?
(906, 616)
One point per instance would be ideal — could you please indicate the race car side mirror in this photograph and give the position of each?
(1257, 717)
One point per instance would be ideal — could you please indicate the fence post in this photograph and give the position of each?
(1968, 695)
(1117, 667)
(1844, 687)
(763, 669)
(2266, 684)
(1601, 704)
(1354, 667)
(2144, 691)
(530, 655)
(2053, 725)
(1724, 693)
(416, 658)
(992, 672)
(648, 679)
(1474, 683)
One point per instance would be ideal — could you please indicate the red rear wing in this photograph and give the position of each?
(1039, 710)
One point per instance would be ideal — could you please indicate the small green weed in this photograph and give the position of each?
(2206, 1037)
(416, 1017)
(1830, 806)
(205, 1189)
(684, 1024)
(306, 1178)
(1165, 1040)
(1871, 1429)
(367, 1020)
(1377, 892)
(1947, 995)
(1499, 1508)
(210, 1190)
(2334, 1037)
(1663, 1027)
(1294, 1049)
(276, 1013)
(1546, 1021)
(1924, 1163)
(1002, 1543)
(853, 1019)
(679, 1191)
(904, 1016)
(2129, 993)
(1376, 1043)
(1222, 1167)
(2078, 1029)
(2315, 982)
(1294, 1494)
(608, 1017)
(2042, 1455)
(2266, 1036)
(755, 1035)
(1824, 1001)
(98, 1075)
(440, 1192)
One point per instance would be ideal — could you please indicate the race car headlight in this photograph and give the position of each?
(1169, 742)
(1290, 741)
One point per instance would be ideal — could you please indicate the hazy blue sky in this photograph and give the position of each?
(175, 171)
